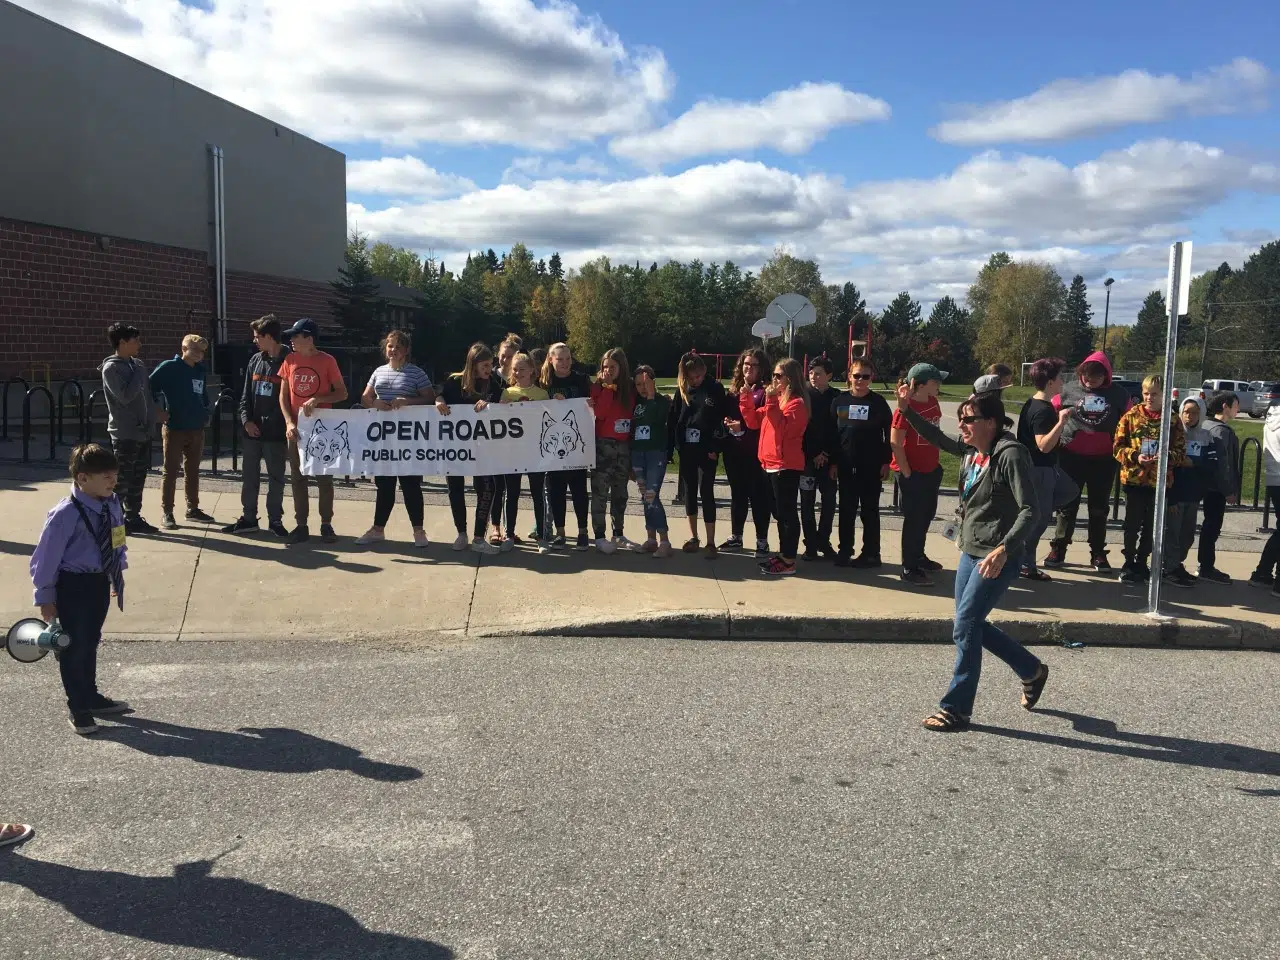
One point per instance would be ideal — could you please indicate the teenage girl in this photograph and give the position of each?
(613, 398)
(781, 422)
(563, 382)
(475, 386)
(651, 440)
(523, 390)
(506, 354)
(748, 485)
(700, 405)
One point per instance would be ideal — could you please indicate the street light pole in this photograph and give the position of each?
(1106, 314)
(1204, 352)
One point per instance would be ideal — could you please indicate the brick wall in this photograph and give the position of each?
(251, 295)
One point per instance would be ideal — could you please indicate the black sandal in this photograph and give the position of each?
(1039, 576)
(1031, 689)
(945, 721)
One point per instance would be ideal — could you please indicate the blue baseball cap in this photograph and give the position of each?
(306, 326)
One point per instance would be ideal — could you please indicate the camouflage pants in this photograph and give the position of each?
(609, 482)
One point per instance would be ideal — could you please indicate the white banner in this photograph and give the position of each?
(526, 437)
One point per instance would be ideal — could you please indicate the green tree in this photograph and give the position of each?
(1022, 315)
(395, 264)
(1145, 342)
(951, 326)
(1077, 317)
(896, 342)
(980, 292)
(356, 304)
(592, 313)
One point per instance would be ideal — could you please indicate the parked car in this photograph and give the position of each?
(1134, 387)
(1268, 393)
(1241, 388)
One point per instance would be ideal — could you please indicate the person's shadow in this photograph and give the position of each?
(265, 750)
(224, 915)
(1147, 746)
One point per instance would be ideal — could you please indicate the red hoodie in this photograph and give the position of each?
(781, 430)
(613, 417)
(1096, 412)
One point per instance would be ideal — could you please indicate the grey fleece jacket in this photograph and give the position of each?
(130, 410)
(1226, 478)
(1001, 505)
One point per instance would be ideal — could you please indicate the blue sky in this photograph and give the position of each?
(898, 144)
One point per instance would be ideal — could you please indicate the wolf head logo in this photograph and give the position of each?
(560, 437)
(327, 447)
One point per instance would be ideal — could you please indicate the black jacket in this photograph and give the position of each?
(452, 393)
(820, 435)
(700, 422)
(862, 425)
(573, 387)
(260, 395)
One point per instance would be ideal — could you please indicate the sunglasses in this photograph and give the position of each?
(861, 376)
(778, 376)
(971, 420)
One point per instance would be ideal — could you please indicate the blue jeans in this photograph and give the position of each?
(651, 469)
(976, 597)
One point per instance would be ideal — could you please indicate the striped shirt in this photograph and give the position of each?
(391, 384)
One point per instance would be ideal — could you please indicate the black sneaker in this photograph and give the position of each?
(1100, 563)
(827, 552)
(167, 522)
(1179, 578)
(300, 534)
(811, 554)
(326, 533)
(1144, 571)
(241, 526)
(279, 529)
(82, 722)
(1214, 575)
(104, 706)
(583, 544)
(559, 540)
(927, 564)
(199, 516)
(1057, 555)
(917, 578)
(1130, 574)
(843, 560)
(136, 525)
(733, 543)
(1264, 580)
(865, 562)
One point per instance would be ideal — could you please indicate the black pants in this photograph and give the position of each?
(817, 528)
(537, 488)
(1139, 519)
(749, 490)
(860, 495)
(562, 484)
(83, 600)
(786, 487)
(499, 495)
(484, 487)
(1271, 549)
(919, 502)
(410, 489)
(698, 473)
(131, 480)
(1096, 476)
(1212, 509)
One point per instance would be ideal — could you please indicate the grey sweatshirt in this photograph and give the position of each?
(130, 413)
(1226, 478)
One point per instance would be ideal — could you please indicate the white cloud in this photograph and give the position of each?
(395, 71)
(406, 177)
(1073, 108)
(528, 169)
(788, 120)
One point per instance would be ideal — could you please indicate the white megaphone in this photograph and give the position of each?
(31, 639)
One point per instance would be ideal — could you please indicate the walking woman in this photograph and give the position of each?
(781, 422)
(524, 390)
(651, 441)
(748, 485)
(699, 420)
(997, 518)
(395, 385)
(613, 397)
(563, 382)
(477, 387)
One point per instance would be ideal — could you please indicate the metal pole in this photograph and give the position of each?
(1204, 352)
(1106, 316)
(1166, 430)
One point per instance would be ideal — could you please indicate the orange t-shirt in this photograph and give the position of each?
(308, 377)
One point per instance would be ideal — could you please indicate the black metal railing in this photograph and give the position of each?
(89, 406)
(62, 407)
(4, 404)
(225, 398)
(26, 423)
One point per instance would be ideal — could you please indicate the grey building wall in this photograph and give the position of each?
(94, 140)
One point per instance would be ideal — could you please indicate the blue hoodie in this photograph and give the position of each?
(184, 390)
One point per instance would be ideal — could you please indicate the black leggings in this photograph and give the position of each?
(410, 489)
(537, 487)
(484, 487)
(749, 489)
(574, 483)
(786, 490)
(698, 473)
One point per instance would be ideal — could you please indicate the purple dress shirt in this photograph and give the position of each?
(66, 545)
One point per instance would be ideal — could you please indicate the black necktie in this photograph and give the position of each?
(110, 558)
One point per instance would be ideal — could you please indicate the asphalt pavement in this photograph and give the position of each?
(538, 798)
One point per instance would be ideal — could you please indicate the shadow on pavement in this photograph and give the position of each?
(17, 549)
(1148, 746)
(197, 910)
(309, 556)
(264, 750)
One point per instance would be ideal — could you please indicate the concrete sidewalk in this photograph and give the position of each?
(199, 584)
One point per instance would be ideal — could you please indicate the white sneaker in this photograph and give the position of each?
(664, 549)
(462, 542)
(420, 539)
(508, 544)
(372, 535)
(622, 543)
(484, 547)
(604, 545)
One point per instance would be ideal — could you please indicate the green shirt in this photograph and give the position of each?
(649, 423)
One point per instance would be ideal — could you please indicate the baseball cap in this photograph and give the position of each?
(923, 372)
(988, 383)
(306, 326)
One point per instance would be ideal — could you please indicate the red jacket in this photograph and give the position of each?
(781, 430)
(613, 417)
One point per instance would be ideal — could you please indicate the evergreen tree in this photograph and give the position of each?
(555, 269)
(896, 343)
(951, 326)
(356, 304)
(1077, 317)
(1145, 342)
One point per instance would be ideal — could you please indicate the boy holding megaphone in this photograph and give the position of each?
(77, 566)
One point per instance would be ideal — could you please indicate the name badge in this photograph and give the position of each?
(197, 387)
(1150, 448)
(265, 388)
(808, 484)
(1194, 448)
(117, 537)
(642, 432)
(1093, 403)
(622, 426)
(859, 413)
(693, 435)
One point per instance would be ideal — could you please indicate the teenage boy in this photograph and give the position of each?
(1223, 487)
(1189, 484)
(130, 416)
(182, 382)
(264, 431)
(820, 454)
(863, 422)
(1086, 454)
(309, 380)
(1137, 449)
(919, 473)
(77, 566)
